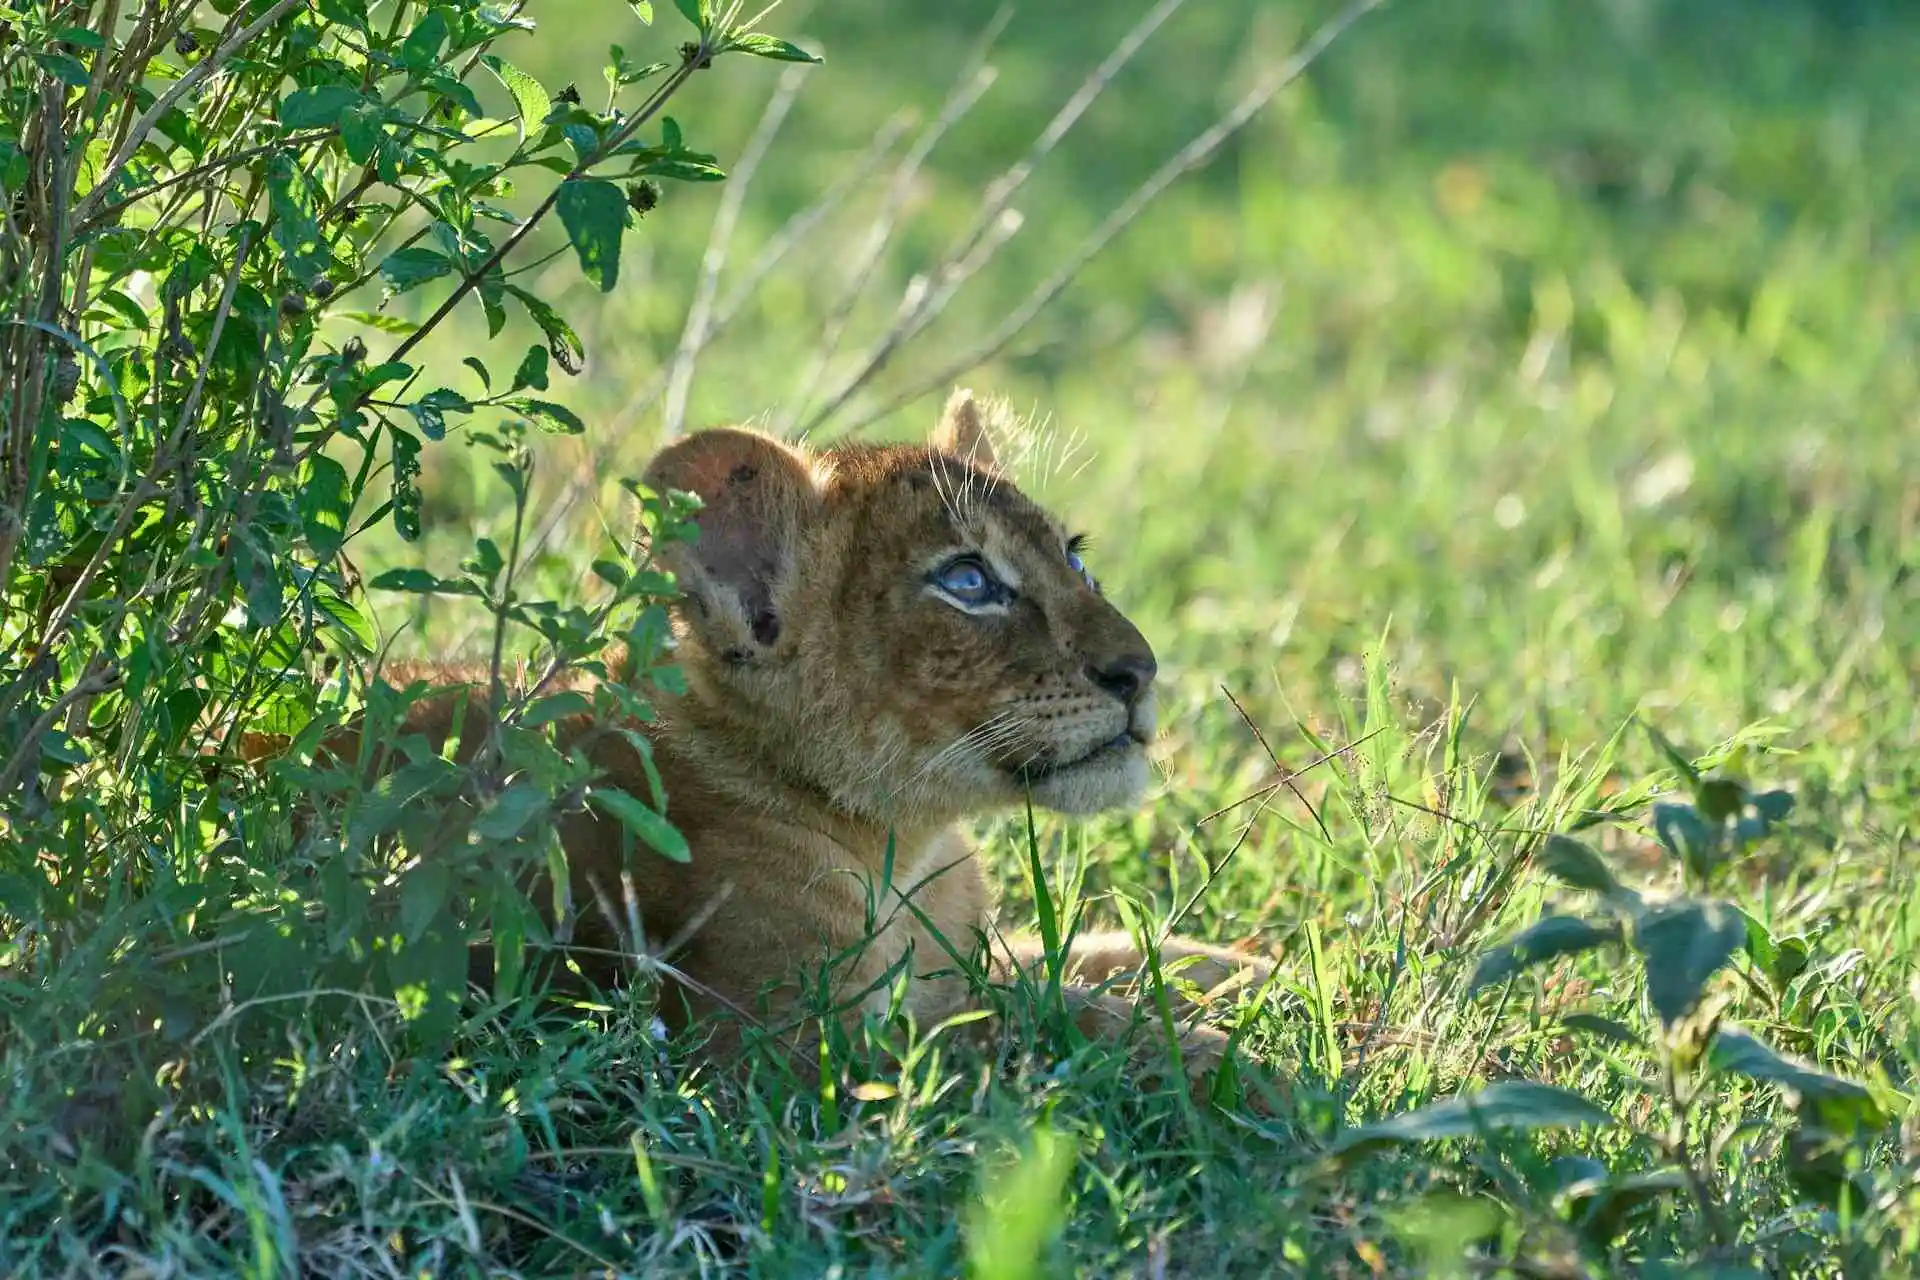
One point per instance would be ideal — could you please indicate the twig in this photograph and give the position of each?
(966, 259)
(1188, 158)
(693, 338)
(152, 116)
(974, 79)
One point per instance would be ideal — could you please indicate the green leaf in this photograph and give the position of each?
(643, 10)
(1509, 1104)
(1575, 863)
(510, 811)
(1737, 1050)
(423, 894)
(1686, 837)
(558, 706)
(319, 107)
(765, 46)
(595, 215)
(479, 370)
(528, 97)
(1680, 763)
(532, 371)
(698, 12)
(422, 45)
(1606, 1028)
(643, 822)
(1545, 939)
(1772, 806)
(348, 621)
(65, 69)
(362, 127)
(545, 414)
(417, 581)
(431, 409)
(562, 342)
(405, 268)
(296, 225)
(406, 488)
(1684, 944)
(1719, 799)
(324, 504)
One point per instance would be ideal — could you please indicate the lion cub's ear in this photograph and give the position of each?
(758, 498)
(966, 428)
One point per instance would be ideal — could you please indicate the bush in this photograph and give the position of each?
(206, 397)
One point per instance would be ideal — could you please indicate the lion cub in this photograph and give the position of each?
(879, 642)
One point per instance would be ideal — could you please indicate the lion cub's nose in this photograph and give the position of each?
(1125, 677)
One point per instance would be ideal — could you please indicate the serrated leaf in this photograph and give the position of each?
(1684, 944)
(529, 98)
(649, 826)
(533, 370)
(1772, 806)
(319, 107)
(67, 70)
(324, 504)
(558, 706)
(405, 268)
(510, 811)
(1508, 1104)
(1606, 1028)
(1737, 1050)
(347, 620)
(545, 414)
(595, 215)
(1680, 763)
(405, 494)
(1718, 799)
(1575, 863)
(1685, 836)
(431, 409)
(423, 894)
(1545, 939)
(422, 45)
(362, 127)
(563, 344)
(765, 46)
(416, 581)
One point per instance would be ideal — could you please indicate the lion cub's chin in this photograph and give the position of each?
(1115, 779)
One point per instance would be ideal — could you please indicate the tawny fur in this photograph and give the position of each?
(838, 707)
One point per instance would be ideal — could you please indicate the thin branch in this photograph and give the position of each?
(1188, 158)
(179, 89)
(693, 338)
(963, 261)
(974, 79)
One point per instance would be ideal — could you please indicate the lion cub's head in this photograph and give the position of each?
(901, 628)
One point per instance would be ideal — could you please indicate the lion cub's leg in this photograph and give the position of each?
(1094, 959)
(1102, 1014)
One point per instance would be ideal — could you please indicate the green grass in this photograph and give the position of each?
(1530, 369)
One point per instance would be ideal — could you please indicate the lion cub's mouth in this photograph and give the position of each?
(1112, 749)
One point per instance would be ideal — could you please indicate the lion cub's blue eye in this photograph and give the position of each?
(1079, 566)
(967, 581)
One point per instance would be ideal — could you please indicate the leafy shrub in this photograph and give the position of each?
(206, 396)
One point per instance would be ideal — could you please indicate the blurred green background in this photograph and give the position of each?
(1568, 345)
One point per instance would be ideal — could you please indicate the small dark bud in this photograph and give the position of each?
(353, 352)
(569, 95)
(186, 43)
(293, 305)
(642, 196)
(699, 58)
(323, 289)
